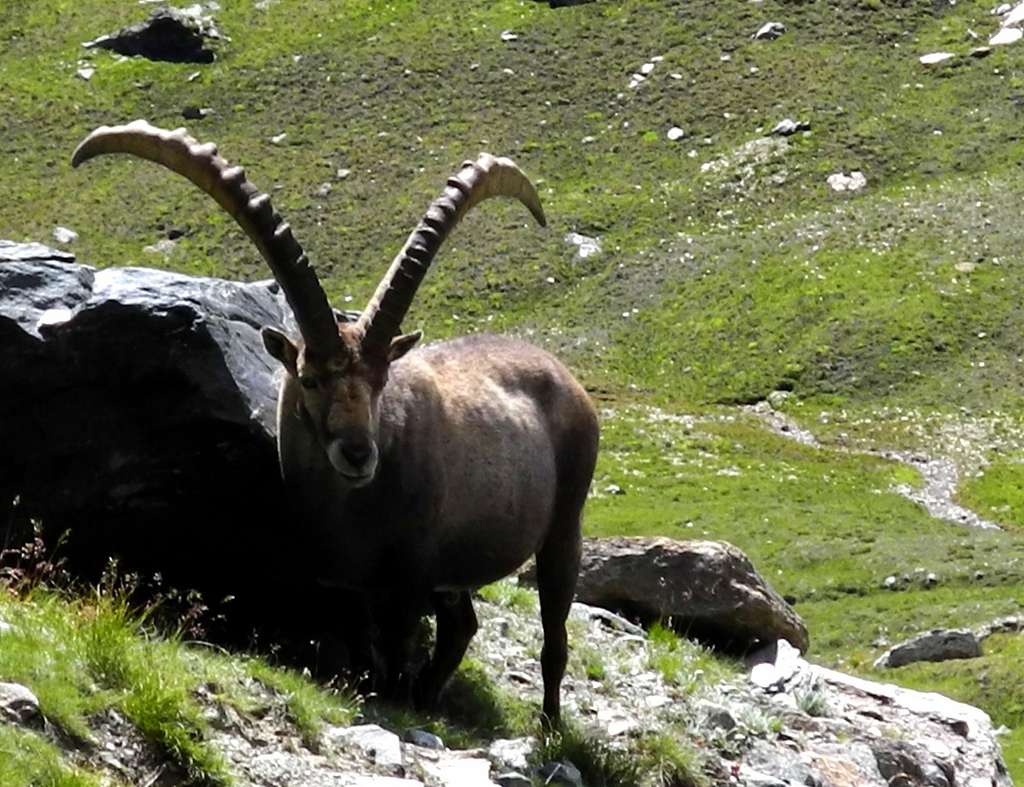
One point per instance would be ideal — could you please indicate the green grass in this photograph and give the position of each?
(662, 759)
(25, 758)
(997, 493)
(82, 656)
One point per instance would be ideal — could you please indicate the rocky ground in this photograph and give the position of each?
(780, 722)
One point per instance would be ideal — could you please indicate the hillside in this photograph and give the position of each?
(729, 267)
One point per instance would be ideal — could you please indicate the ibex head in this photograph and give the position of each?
(341, 366)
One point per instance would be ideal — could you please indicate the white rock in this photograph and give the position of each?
(675, 133)
(1002, 9)
(460, 772)
(586, 246)
(1015, 16)
(277, 139)
(50, 317)
(511, 753)
(855, 181)
(64, 235)
(372, 740)
(1008, 35)
(5, 628)
(646, 68)
(85, 72)
(936, 57)
(769, 31)
(508, 35)
(18, 704)
(343, 173)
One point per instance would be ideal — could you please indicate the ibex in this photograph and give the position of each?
(423, 474)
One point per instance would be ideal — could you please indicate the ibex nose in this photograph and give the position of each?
(356, 452)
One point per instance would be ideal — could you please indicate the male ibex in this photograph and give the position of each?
(423, 475)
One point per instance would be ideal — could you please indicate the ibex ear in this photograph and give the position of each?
(282, 348)
(400, 345)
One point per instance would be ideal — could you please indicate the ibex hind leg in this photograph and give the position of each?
(456, 625)
(558, 563)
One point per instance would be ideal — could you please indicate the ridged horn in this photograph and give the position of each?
(474, 182)
(250, 207)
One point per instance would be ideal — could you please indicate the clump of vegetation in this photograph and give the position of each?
(682, 662)
(653, 760)
(508, 593)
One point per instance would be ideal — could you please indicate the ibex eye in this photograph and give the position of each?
(308, 382)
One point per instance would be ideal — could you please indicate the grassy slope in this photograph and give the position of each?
(742, 281)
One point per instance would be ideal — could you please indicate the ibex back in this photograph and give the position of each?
(419, 475)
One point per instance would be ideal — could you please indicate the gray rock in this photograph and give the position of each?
(19, 705)
(31, 252)
(769, 31)
(423, 739)
(1010, 624)
(904, 760)
(459, 771)
(564, 773)
(375, 743)
(511, 754)
(708, 590)
(934, 645)
(170, 34)
(5, 628)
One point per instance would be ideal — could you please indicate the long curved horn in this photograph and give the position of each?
(474, 182)
(251, 208)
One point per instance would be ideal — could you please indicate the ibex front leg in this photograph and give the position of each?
(456, 625)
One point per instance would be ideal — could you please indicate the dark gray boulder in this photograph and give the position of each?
(170, 34)
(934, 645)
(707, 590)
(137, 412)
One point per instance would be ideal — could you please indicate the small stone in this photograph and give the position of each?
(1002, 9)
(769, 31)
(675, 133)
(586, 245)
(376, 743)
(965, 267)
(931, 579)
(64, 235)
(324, 189)
(423, 739)
(192, 112)
(646, 68)
(1008, 35)
(839, 181)
(564, 773)
(513, 779)
(933, 58)
(511, 754)
(279, 138)
(19, 705)
(85, 72)
(614, 489)
(980, 51)
(787, 127)
(341, 174)
(508, 35)
(890, 582)
(5, 628)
